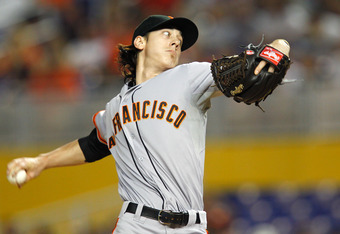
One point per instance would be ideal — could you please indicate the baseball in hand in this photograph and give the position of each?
(19, 178)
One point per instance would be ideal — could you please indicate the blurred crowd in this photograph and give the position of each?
(69, 47)
(246, 209)
(286, 209)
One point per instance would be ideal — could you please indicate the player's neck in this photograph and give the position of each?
(145, 73)
(150, 66)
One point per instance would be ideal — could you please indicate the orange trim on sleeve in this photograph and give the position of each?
(98, 133)
(115, 226)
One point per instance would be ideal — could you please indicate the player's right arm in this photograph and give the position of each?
(78, 152)
(66, 155)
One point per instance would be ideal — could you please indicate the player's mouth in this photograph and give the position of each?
(173, 52)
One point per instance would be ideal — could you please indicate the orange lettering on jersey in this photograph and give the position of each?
(118, 121)
(180, 119)
(112, 142)
(161, 110)
(144, 110)
(136, 111)
(145, 104)
(126, 115)
(168, 117)
(116, 124)
(153, 109)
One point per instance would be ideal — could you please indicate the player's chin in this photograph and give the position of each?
(171, 66)
(173, 63)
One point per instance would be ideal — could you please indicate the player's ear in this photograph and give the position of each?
(139, 42)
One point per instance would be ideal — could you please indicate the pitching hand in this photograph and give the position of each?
(32, 166)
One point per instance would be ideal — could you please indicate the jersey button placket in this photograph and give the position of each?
(129, 129)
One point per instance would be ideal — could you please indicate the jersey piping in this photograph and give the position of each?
(98, 132)
(134, 161)
(146, 149)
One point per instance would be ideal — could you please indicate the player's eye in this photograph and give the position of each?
(166, 33)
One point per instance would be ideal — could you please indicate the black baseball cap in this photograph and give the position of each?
(155, 22)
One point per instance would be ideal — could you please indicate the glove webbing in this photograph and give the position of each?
(233, 70)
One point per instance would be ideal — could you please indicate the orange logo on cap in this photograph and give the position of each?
(170, 17)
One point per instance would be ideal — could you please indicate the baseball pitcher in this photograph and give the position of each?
(155, 127)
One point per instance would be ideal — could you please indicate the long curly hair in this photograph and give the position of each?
(127, 60)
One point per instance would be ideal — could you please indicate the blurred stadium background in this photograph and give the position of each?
(266, 173)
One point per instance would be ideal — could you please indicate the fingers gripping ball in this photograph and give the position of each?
(19, 178)
(235, 76)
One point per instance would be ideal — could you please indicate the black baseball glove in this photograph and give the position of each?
(234, 75)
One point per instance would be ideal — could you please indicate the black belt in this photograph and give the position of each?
(165, 217)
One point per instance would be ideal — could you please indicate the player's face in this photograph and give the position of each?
(163, 47)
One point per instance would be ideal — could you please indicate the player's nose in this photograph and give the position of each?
(176, 38)
(176, 43)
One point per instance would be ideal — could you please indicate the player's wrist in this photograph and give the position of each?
(43, 161)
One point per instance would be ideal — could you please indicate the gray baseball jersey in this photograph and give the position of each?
(156, 134)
